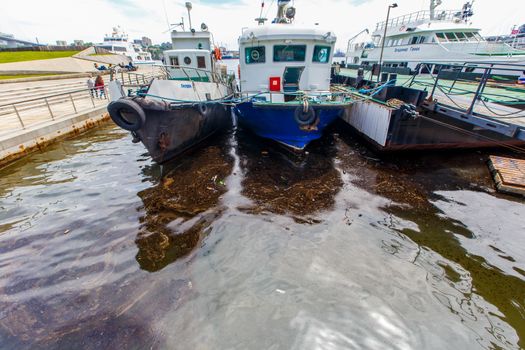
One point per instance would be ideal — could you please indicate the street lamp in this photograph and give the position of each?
(393, 6)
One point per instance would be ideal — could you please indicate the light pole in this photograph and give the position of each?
(394, 5)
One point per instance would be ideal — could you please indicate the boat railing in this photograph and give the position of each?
(448, 15)
(195, 74)
(495, 87)
(24, 114)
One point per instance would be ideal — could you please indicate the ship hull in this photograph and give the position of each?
(277, 122)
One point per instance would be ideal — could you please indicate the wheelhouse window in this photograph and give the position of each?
(289, 53)
(470, 36)
(256, 54)
(321, 54)
(451, 37)
(174, 61)
(461, 36)
(441, 37)
(201, 62)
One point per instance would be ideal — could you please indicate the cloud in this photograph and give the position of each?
(53, 20)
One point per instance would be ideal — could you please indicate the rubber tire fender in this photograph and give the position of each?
(204, 109)
(303, 118)
(116, 108)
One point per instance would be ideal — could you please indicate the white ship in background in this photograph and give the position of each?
(118, 43)
(430, 36)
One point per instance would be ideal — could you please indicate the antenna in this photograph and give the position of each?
(189, 7)
(166, 14)
(260, 20)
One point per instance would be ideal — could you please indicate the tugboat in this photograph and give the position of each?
(285, 80)
(188, 105)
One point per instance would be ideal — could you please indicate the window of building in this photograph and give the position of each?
(451, 37)
(321, 54)
(289, 53)
(256, 54)
(187, 60)
(174, 61)
(201, 62)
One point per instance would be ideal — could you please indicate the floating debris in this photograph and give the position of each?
(509, 174)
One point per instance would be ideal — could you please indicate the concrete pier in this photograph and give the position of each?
(18, 144)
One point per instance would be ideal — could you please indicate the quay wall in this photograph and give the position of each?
(36, 138)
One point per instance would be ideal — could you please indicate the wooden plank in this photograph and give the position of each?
(508, 173)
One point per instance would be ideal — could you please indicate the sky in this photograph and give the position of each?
(52, 20)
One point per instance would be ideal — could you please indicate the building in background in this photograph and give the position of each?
(61, 43)
(78, 42)
(146, 42)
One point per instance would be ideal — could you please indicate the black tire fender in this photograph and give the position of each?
(127, 114)
(204, 109)
(304, 118)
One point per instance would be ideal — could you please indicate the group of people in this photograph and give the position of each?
(96, 87)
(129, 67)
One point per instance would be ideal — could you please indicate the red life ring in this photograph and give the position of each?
(217, 54)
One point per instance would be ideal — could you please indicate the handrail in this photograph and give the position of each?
(69, 99)
(51, 96)
(446, 15)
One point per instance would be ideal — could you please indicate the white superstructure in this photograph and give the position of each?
(191, 57)
(274, 50)
(119, 43)
(430, 36)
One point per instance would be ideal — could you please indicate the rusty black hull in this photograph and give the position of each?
(168, 133)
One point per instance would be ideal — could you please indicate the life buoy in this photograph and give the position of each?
(304, 118)
(127, 114)
(217, 53)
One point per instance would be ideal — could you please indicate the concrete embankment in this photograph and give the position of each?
(23, 142)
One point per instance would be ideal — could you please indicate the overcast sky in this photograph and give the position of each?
(51, 20)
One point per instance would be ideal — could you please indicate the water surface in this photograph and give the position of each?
(241, 245)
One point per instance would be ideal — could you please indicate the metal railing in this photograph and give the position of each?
(22, 114)
(499, 93)
(449, 15)
(196, 74)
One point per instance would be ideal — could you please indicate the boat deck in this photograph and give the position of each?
(492, 110)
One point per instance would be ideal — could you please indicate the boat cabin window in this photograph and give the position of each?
(470, 36)
(451, 37)
(174, 61)
(187, 60)
(462, 36)
(321, 54)
(421, 39)
(414, 40)
(256, 54)
(289, 53)
(201, 62)
(441, 37)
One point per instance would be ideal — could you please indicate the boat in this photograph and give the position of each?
(515, 39)
(447, 37)
(443, 114)
(185, 106)
(285, 80)
(118, 43)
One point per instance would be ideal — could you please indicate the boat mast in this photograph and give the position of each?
(188, 6)
(433, 5)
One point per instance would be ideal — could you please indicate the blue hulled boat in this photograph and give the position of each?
(285, 80)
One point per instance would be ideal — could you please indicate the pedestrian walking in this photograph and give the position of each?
(99, 86)
(91, 86)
